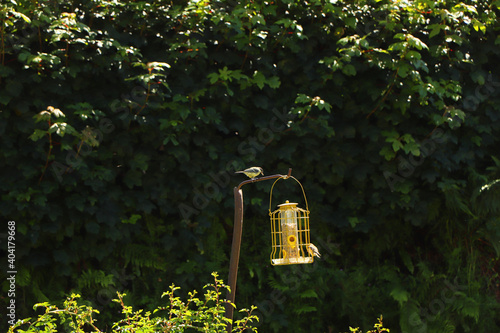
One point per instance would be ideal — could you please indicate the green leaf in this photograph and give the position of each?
(455, 39)
(308, 293)
(213, 77)
(413, 55)
(353, 221)
(171, 138)
(322, 105)
(400, 36)
(38, 134)
(259, 79)
(397, 145)
(413, 148)
(403, 70)
(132, 220)
(140, 161)
(478, 77)
(274, 82)
(21, 15)
(436, 29)
(399, 294)
(306, 309)
(302, 99)
(388, 153)
(399, 46)
(477, 140)
(61, 129)
(478, 25)
(258, 19)
(390, 135)
(416, 42)
(349, 70)
(469, 307)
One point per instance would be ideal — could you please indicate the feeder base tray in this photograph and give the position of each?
(291, 261)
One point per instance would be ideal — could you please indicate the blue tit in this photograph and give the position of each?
(313, 250)
(252, 172)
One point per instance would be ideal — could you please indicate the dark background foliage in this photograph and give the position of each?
(122, 124)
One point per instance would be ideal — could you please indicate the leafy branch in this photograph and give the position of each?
(56, 124)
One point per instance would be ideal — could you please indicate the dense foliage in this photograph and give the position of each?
(195, 314)
(122, 124)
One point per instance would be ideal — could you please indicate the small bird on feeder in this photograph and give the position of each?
(313, 250)
(252, 172)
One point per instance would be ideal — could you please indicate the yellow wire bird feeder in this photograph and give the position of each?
(290, 232)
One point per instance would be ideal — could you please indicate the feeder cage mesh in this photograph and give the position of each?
(290, 232)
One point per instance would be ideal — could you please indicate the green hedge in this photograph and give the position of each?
(122, 124)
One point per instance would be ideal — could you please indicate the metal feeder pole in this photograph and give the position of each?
(236, 245)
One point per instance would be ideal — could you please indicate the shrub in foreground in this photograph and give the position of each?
(377, 328)
(196, 314)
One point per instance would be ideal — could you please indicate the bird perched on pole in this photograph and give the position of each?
(252, 172)
(313, 250)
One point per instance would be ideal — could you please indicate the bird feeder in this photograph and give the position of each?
(290, 232)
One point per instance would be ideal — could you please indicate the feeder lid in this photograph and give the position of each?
(288, 204)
